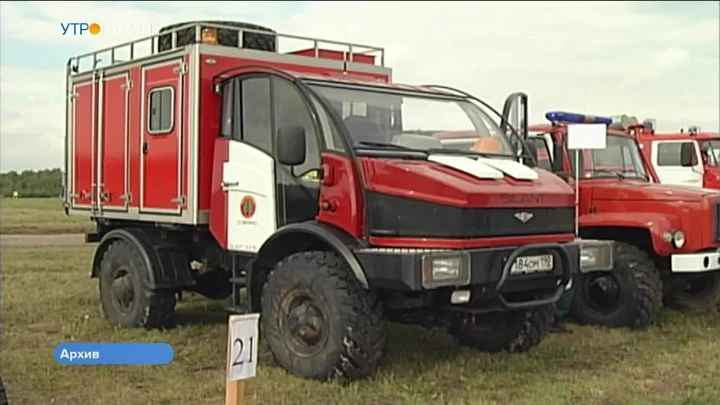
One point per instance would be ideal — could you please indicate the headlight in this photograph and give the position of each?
(445, 269)
(596, 255)
(678, 239)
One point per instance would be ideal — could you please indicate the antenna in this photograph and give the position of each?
(682, 112)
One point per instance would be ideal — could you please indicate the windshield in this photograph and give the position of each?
(621, 158)
(711, 152)
(415, 121)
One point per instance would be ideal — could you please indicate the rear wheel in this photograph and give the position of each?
(695, 293)
(318, 320)
(628, 296)
(512, 331)
(125, 299)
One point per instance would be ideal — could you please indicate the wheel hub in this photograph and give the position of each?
(305, 325)
(123, 291)
(603, 292)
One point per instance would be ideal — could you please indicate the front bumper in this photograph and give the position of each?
(695, 262)
(488, 272)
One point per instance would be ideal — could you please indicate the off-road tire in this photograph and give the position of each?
(3, 394)
(226, 37)
(150, 308)
(705, 300)
(355, 343)
(641, 292)
(512, 331)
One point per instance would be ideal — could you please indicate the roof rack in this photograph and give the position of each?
(148, 46)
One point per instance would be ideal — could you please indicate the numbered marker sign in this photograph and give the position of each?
(242, 346)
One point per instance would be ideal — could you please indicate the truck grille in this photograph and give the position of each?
(716, 221)
(397, 216)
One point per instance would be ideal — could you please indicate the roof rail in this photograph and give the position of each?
(148, 46)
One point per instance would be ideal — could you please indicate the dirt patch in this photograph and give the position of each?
(67, 239)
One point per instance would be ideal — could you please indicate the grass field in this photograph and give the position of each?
(39, 216)
(48, 298)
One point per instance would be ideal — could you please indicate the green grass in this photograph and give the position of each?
(48, 298)
(39, 216)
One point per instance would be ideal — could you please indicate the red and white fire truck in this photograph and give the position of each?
(216, 164)
(667, 238)
(686, 158)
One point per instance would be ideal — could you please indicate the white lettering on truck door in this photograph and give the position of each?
(249, 180)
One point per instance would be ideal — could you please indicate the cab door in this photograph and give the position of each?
(677, 162)
(258, 194)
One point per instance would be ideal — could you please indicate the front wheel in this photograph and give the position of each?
(695, 293)
(512, 331)
(628, 296)
(318, 320)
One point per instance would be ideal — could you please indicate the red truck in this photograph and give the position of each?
(667, 238)
(305, 181)
(687, 158)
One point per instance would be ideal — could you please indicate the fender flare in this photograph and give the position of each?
(655, 224)
(138, 238)
(336, 238)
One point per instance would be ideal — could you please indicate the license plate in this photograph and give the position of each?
(532, 264)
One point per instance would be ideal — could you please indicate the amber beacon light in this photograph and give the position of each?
(209, 36)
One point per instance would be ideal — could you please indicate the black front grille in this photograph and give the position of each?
(716, 221)
(398, 216)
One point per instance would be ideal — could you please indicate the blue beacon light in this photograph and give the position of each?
(574, 118)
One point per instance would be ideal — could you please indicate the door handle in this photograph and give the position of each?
(230, 183)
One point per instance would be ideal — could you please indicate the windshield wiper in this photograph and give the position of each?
(615, 173)
(470, 152)
(384, 145)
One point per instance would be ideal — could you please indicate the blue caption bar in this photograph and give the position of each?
(114, 353)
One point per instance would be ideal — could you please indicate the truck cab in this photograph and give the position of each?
(685, 158)
(664, 234)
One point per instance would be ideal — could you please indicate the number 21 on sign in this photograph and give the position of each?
(242, 355)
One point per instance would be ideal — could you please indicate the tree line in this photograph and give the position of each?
(32, 183)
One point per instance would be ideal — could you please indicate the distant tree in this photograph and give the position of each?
(32, 183)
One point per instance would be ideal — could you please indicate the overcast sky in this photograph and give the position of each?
(649, 59)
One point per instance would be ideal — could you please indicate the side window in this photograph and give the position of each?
(255, 103)
(669, 153)
(544, 158)
(227, 109)
(290, 109)
(160, 111)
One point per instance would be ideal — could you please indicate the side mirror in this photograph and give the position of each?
(531, 150)
(687, 155)
(291, 145)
